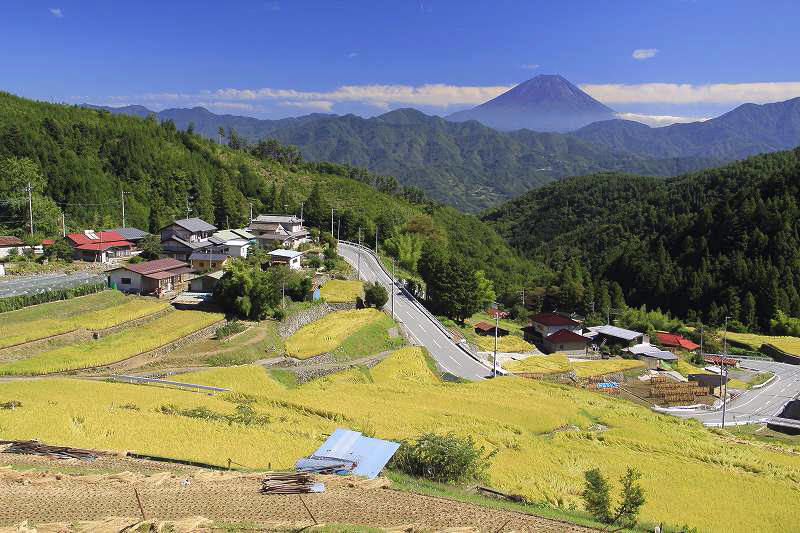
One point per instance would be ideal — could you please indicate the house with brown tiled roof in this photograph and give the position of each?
(151, 277)
(9, 243)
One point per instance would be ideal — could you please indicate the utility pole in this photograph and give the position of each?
(332, 209)
(376, 240)
(301, 216)
(227, 224)
(339, 228)
(30, 204)
(722, 369)
(122, 195)
(63, 225)
(188, 211)
(497, 314)
(251, 211)
(393, 288)
(359, 252)
(701, 342)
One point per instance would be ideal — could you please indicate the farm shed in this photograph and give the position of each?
(650, 354)
(567, 342)
(485, 328)
(614, 336)
(131, 234)
(206, 282)
(712, 382)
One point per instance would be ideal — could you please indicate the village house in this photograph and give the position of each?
(100, 246)
(180, 239)
(151, 277)
(674, 342)
(543, 325)
(232, 242)
(713, 382)
(567, 342)
(279, 230)
(290, 258)
(10, 245)
(205, 259)
(130, 234)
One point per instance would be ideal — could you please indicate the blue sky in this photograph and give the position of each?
(281, 58)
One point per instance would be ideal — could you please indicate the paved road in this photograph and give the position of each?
(43, 282)
(422, 329)
(752, 406)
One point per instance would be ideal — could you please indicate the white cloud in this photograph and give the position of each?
(351, 55)
(684, 93)
(320, 105)
(529, 66)
(379, 96)
(659, 120)
(56, 12)
(644, 53)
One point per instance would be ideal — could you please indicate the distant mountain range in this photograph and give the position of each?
(472, 166)
(543, 103)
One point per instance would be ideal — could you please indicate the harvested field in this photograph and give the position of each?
(341, 291)
(114, 347)
(790, 345)
(236, 498)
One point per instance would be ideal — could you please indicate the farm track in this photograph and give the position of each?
(236, 498)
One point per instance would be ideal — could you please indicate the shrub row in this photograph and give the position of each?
(12, 303)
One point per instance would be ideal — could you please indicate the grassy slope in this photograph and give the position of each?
(759, 483)
(329, 332)
(341, 291)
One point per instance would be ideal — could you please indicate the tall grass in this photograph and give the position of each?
(790, 345)
(341, 291)
(557, 363)
(114, 347)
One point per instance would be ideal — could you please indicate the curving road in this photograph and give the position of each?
(753, 406)
(420, 326)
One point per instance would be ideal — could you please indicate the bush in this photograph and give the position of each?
(375, 295)
(230, 328)
(136, 259)
(12, 303)
(442, 458)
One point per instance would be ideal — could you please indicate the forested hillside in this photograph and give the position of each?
(80, 161)
(709, 244)
(466, 165)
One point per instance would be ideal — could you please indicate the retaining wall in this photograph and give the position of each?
(779, 355)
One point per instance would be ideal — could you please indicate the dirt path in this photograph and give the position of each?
(236, 498)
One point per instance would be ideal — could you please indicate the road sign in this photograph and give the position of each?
(608, 385)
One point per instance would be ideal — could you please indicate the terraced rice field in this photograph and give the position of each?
(113, 347)
(556, 363)
(507, 343)
(341, 291)
(400, 398)
(94, 312)
(329, 332)
(790, 345)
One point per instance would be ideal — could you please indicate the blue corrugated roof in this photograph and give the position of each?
(367, 455)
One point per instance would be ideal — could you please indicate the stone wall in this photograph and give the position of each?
(298, 320)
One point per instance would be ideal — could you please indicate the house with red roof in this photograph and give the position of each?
(99, 246)
(567, 342)
(673, 341)
(160, 276)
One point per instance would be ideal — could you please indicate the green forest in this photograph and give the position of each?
(80, 161)
(715, 243)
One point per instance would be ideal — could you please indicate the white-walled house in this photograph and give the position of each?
(291, 258)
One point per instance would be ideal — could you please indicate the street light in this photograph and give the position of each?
(723, 369)
(497, 314)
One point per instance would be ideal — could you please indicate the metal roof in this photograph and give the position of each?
(288, 254)
(363, 456)
(199, 256)
(233, 234)
(193, 224)
(131, 233)
(280, 219)
(553, 319)
(614, 331)
(648, 350)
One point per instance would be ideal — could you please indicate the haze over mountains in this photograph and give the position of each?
(467, 164)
